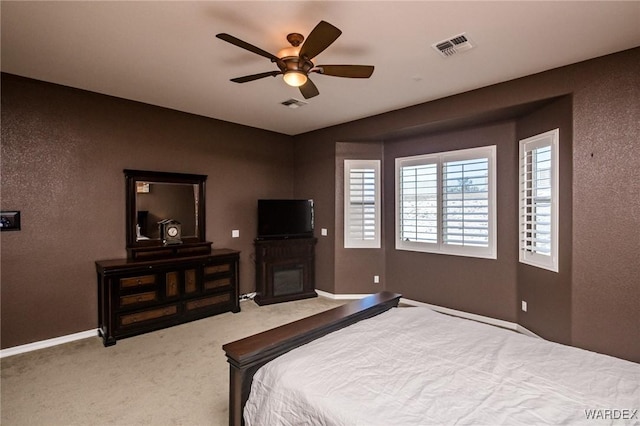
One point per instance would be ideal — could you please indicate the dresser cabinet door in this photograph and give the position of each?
(172, 284)
(190, 281)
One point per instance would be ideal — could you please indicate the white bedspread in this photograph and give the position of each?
(414, 366)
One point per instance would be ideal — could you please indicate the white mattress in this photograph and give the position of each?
(414, 366)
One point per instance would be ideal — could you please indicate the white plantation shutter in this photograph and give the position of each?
(446, 203)
(465, 209)
(539, 200)
(362, 204)
(419, 203)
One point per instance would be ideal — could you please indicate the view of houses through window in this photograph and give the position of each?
(465, 202)
(445, 202)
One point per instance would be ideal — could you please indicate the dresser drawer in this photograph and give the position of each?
(217, 269)
(219, 283)
(208, 301)
(142, 316)
(134, 299)
(131, 282)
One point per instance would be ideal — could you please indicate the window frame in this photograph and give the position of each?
(439, 159)
(549, 139)
(349, 241)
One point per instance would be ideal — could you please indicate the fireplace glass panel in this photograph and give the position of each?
(287, 279)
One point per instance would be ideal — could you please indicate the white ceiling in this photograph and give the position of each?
(165, 52)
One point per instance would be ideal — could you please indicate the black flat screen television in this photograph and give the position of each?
(280, 219)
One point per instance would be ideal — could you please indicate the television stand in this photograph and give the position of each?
(285, 270)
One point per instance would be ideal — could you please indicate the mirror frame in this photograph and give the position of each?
(132, 177)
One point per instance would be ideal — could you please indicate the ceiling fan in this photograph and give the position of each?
(295, 62)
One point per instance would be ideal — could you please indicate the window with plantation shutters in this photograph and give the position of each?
(539, 200)
(362, 204)
(445, 203)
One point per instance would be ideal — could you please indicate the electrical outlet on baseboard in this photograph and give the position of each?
(376, 279)
(524, 306)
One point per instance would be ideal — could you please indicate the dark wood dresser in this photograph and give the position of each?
(136, 297)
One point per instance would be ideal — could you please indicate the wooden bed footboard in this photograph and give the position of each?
(247, 355)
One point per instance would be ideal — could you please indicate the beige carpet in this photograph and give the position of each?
(176, 376)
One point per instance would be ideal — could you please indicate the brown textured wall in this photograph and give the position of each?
(63, 155)
(548, 294)
(355, 267)
(605, 288)
(482, 286)
(314, 179)
(606, 206)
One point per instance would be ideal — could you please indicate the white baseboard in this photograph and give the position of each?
(522, 330)
(340, 296)
(47, 343)
(467, 315)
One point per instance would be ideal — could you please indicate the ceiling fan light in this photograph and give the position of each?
(295, 78)
(289, 52)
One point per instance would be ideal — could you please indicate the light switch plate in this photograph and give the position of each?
(235, 233)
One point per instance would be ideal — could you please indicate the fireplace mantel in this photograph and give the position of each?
(285, 270)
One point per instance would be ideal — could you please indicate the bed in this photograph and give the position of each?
(414, 366)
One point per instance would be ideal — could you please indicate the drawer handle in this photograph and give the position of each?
(139, 299)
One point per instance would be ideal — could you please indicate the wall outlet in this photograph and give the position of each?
(324, 232)
(376, 279)
(235, 233)
(524, 306)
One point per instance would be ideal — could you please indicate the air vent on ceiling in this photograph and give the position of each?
(453, 45)
(294, 103)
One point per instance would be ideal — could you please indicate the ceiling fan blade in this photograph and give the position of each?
(309, 90)
(319, 39)
(252, 77)
(349, 71)
(250, 47)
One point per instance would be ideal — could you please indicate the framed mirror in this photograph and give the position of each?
(165, 213)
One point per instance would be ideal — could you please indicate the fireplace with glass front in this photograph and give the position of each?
(285, 270)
